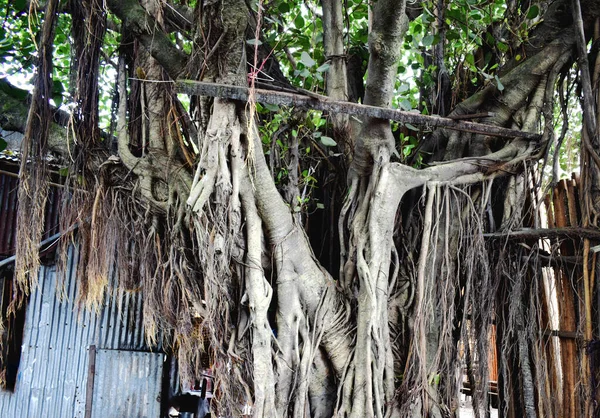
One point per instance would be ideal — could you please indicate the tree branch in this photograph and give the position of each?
(385, 45)
(589, 114)
(179, 16)
(14, 108)
(143, 26)
(333, 42)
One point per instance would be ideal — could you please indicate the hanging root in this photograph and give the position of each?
(33, 186)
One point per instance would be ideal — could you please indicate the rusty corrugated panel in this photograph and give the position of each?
(52, 220)
(53, 371)
(127, 384)
(8, 213)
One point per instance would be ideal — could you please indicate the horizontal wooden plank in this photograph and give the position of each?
(539, 233)
(562, 334)
(314, 101)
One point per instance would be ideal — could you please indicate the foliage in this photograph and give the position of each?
(476, 45)
(17, 43)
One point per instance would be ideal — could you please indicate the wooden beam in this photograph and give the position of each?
(89, 391)
(565, 232)
(558, 260)
(317, 102)
(562, 334)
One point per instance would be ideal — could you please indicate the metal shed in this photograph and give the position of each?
(54, 376)
(73, 363)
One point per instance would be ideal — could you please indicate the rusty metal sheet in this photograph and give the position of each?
(8, 213)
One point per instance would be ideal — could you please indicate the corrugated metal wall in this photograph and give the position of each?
(127, 384)
(53, 371)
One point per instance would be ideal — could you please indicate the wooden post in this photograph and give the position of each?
(89, 393)
(567, 320)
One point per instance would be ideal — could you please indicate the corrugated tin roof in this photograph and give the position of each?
(13, 142)
(12, 153)
(53, 371)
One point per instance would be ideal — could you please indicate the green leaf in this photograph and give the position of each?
(271, 107)
(20, 5)
(3, 144)
(307, 59)
(405, 104)
(411, 127)
(470, 59)
(502, 46)
(299, 22)
(13, 91)
(533, 12)
(455, 14)
(427, 40)
(254, 42)
(328, 142)
(273, 19)
(323, 68)
(284, 8)
(320, 206)
(403, 87)
(500, 85)
(64, 171)
(488, 58)
(452, 35)
(58, 99)
(57, 86)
